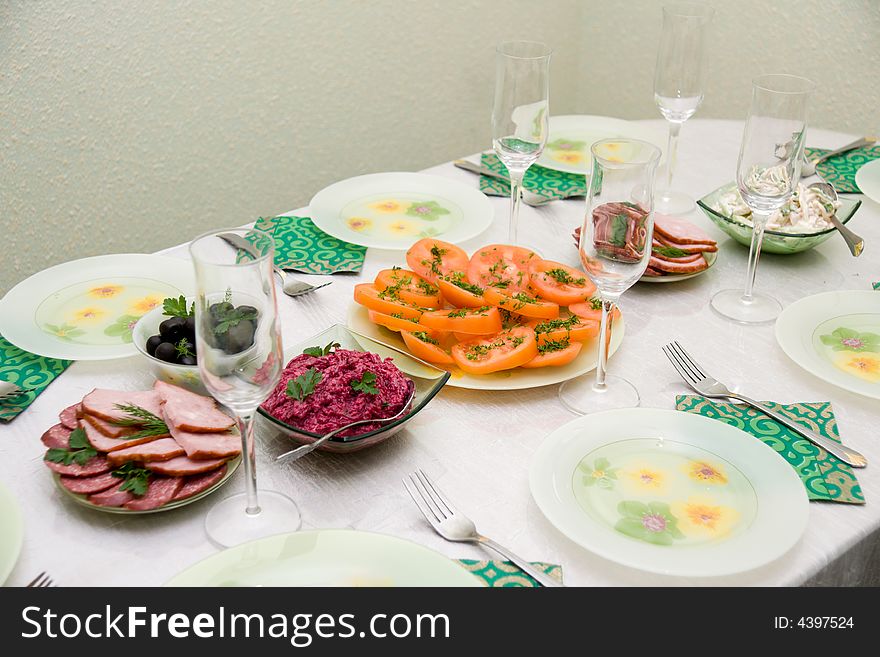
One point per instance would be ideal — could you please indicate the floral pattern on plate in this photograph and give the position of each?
(401, 217)
(852, 345)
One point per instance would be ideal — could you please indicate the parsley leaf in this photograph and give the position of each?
(177, 307)
(366, 384)
(619, 225)
(321, 351)
(182, 348)
(230, 318)
(304, 385)
(670, 251)
(80, 450)
(136, 479)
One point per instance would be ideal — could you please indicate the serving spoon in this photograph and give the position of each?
(855, 243)
(302, 450)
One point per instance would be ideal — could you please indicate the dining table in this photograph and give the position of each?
(477, 445)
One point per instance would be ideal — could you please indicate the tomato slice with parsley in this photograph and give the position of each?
(484, 320)
(385, 303)
(591, 310)
(456, 289)
(554, 354)
(572, 328)
(431, 258)
(408, 286)
(503, 351)
(422, 344)
(501, 266)
(521, 304)
(559, 283)
(396, 322)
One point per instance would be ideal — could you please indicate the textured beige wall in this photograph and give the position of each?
(129, 126)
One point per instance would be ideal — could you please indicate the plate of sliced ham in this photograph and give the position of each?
(141, 451)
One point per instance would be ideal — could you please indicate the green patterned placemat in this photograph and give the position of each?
(840, 170)
(27, 370)
(546, 182)
(824, 476)
(876, 285)
(500, 574)
(302, 246)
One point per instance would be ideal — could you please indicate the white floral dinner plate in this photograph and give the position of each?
(568, 145)
(86, 309)
(836, 337)
(669, 492)
(393, 210)
(327, 557)
(516, 379)
(11, 532)
(868, 180)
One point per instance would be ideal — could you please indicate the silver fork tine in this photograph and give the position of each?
(422, 487)
(690, 360)
(437, 496)
(692, 373)
(667, 351)
(36, 579)
(41, 581)
(430, 516)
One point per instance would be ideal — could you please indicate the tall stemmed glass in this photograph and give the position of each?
(240, 361)
(615, 246)
(767, 174)
(521, 113)
(678, 86)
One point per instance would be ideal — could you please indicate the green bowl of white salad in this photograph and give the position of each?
(798, 226)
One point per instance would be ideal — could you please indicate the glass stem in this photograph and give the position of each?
(604, 341)
(249, 455)
(759, 221)
(516, 178)
(672, 152)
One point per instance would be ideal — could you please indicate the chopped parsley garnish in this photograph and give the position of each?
(595, 303)
(553, 345)
(177, 307)
(136, 479)
(458, 280)
(80, 450)
(426, 287)
(424, 337)
(182, 348)
(436, 259)
(304, 385)
(524, 298)
(365, 384)
(563, 277)
(461, 312)
(557, 324)
(321, 351)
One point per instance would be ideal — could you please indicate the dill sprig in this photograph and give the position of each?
(152, 424)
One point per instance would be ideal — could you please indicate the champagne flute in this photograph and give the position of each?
(520, 115)
(615, 247)
(767, 174)
(240, 361)
(678, 85)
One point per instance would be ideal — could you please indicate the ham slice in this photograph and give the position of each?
(57, 436)
(104, 444)
(680, 230)
(156, 450)
(688, 247)
(94, 466)
(69, 416)
(181, 466)
(112, 497)
(207, 445)
(195, 484)
(191, 412)
(107, 428)
(89, 485)
(160, 491)
(670, 267)
(102, 403)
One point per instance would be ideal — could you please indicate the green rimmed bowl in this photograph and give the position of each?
(774, 241)
(428, 381)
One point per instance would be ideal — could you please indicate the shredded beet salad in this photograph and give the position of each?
(334, 402)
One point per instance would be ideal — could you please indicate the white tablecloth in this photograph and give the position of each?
(478, 445)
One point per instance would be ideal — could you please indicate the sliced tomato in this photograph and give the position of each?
(501, 266)
(572, 328)
(503, 351)
(408, 286)
(396, 322)
(431, 258)
(367, 295)
(456, 289)
(422, 345)
(484, 320)
(559, 283)
(555, 354)
(521, 304)
(592, 310)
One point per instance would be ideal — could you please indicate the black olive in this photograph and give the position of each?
(247, 309)
(189, 326)
(220, 309)
(172, 329)
(152, 342)
(240, 336)
(187, 360)
(166, 352)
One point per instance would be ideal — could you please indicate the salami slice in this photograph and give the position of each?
(183, 465)
(160, 491)
(69, 416)
(197, 483)
(111, 497)
(89, 485)
(94, 466)
(57, 436)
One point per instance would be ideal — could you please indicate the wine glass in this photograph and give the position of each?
(678, 86)
(767, 174)
(615, 247)
(520, 115)
(240, 361)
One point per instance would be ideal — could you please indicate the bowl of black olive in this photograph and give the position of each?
(167, 337)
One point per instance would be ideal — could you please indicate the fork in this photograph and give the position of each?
(292, 287)
(41, 581)
(9, 391)
(449, 522)
(697, 379)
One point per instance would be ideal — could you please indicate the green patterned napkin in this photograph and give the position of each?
(500, 574)
(302, 246)
(27, 370)
(824, 477)
(876, 285)
(840, 170)
(546, 182)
